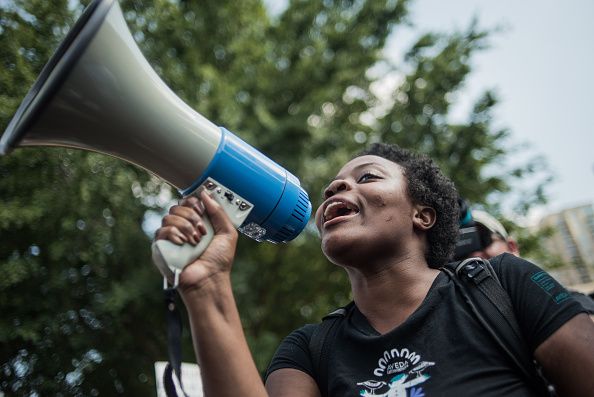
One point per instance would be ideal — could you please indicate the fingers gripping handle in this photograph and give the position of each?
(171, 258)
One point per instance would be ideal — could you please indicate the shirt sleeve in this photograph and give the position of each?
(584, 300)
(542, 305)
(293, 352)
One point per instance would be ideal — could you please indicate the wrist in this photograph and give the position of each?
(215, 285)
(211, 305)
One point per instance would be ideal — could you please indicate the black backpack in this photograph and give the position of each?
(489, 302)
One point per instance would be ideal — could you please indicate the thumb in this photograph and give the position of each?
(219, 219)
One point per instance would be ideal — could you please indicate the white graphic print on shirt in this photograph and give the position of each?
(398, 372)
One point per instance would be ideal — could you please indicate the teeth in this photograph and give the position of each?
(332, 209)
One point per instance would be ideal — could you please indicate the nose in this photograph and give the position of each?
(337, 185)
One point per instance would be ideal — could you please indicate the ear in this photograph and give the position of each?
(513, 246)
(424, 217)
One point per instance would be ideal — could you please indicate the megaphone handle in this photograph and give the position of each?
(169, 257)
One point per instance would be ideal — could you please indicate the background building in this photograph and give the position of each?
(573, 242)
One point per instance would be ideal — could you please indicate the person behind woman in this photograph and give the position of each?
(496, 241)
(389, 219)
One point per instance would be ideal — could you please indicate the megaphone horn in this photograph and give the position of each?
(99, 93)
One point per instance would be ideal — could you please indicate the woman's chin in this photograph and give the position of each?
(338, 250)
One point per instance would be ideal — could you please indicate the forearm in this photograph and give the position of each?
(567, 357)
(221, 348)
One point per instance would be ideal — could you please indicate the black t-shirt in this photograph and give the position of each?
(441, 349)
(586, 301)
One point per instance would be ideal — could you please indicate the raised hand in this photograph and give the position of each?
(185, 224)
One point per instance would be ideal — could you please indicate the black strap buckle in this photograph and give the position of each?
(473, 269)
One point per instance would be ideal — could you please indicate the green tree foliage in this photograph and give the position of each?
(80, 300)
(79, 312)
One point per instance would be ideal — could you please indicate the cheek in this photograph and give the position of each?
(377, 201)
(497, 248)
(389, 206)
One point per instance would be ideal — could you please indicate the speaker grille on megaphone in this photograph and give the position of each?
(99, 93)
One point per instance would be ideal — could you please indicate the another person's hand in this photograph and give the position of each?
(184, 224)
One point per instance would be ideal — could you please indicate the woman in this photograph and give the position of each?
(389, 219)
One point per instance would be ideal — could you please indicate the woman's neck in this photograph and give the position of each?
(389, 293)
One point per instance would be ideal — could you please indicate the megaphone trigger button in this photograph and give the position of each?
(229, 196)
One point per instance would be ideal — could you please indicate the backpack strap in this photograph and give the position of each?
(320, 346)
(481, 273)
(480, 287)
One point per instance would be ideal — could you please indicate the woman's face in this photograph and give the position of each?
(367, 213)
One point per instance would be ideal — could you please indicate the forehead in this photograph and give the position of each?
(370, 161)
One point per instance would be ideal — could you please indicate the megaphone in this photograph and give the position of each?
(99, 93)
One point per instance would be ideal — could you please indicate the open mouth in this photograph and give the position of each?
(339, 209)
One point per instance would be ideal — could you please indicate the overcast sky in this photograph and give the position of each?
(542, 67)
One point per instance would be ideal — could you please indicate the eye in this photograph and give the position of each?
(367, 176)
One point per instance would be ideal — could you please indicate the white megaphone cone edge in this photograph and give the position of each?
(102, 95)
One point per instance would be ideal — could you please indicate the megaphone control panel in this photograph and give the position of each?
(236, 207)
(171, 258)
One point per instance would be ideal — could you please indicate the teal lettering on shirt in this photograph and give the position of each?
(549, 285)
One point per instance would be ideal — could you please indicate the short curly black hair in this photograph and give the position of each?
(427, 185)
